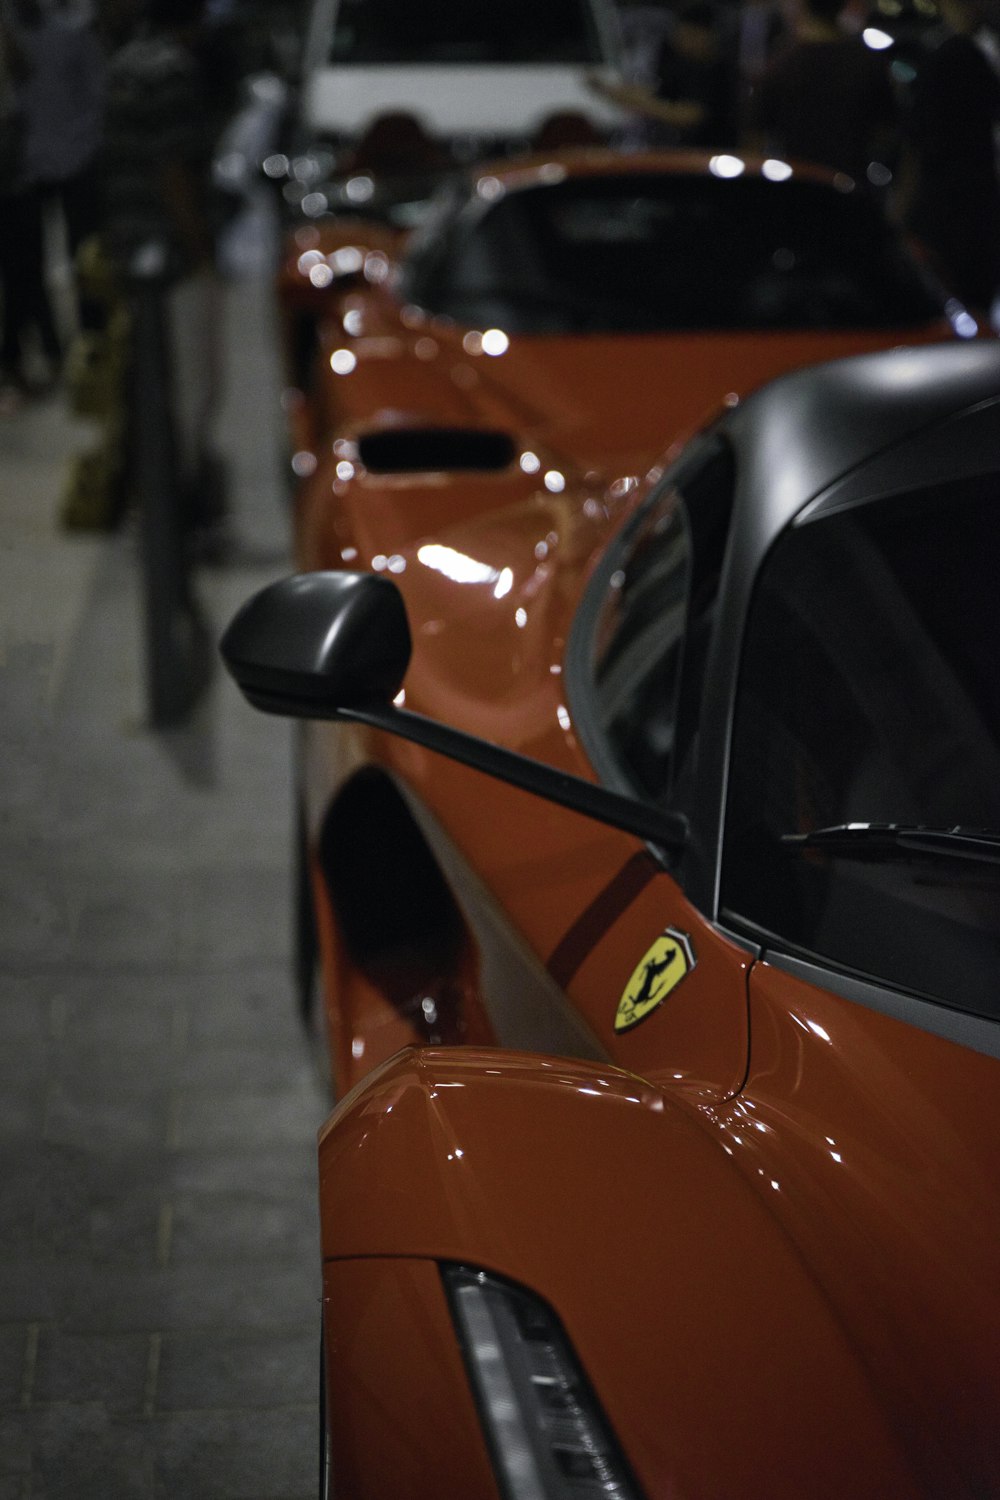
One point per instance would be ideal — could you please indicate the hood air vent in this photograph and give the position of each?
(414, 450)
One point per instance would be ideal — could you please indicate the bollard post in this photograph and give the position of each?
(178, 648)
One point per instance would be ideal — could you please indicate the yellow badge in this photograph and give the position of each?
(660, 971)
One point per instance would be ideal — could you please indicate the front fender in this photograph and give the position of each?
(716, 1356)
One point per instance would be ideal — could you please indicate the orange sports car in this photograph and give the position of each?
(654, 837)
(568, 316)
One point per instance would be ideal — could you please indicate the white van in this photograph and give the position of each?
(486, 72)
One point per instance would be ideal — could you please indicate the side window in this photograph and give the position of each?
(656, 599)
(640, 639)
(870, 693)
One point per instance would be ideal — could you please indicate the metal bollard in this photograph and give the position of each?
(178, 644)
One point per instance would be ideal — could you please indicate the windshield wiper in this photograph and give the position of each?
(898, 840)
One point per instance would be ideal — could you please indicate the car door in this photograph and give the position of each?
(867, 733)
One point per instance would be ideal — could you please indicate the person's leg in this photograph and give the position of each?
(80, 204)
(15, 236)
(31, 275)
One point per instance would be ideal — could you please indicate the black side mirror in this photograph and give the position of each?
(337, 646)
(320, 641)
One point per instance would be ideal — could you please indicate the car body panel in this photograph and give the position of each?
(486, 1158)
(480, 669)
(760, 1194)
(883, 1144)
(559, 922)
(589, 396)
(397, 1426)
(612, 402)
(839, 1156)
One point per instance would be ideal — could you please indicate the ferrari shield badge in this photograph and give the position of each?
(660, 971)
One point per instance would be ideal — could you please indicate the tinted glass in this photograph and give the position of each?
(870, 692)
(654, 620)
(456, 31)
(660, 252)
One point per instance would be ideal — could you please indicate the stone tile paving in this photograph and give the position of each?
(159, 1282)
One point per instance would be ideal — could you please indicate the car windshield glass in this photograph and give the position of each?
(454, 31)
(655, 252)
(869, 695)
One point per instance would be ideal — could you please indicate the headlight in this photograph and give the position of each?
(546, 1433)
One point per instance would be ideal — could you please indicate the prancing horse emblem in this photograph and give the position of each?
(669, 960)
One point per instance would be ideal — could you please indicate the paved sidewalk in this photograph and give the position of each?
(159, 1276)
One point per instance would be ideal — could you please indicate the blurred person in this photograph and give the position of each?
(63, 102)
(48, 99)
(11, 133)
(758, 31)
(951, 197)
(644, 27)
(688, 94)
(698, 66)
(11, 118)
(116, 22)
(828, 98)
(158, 136)
(224, 46)
(161, 125)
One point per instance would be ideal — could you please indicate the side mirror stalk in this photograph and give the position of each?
(668, 830)
(335, 646)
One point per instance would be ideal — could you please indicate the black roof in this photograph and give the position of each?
(806, 431)
(822, 439)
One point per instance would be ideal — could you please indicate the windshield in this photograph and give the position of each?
(657, 252)
(454, 31)
(869, 695)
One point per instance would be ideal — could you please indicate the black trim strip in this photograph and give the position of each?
(580, 940)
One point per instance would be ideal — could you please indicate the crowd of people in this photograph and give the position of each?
(820, 81)
(109, 111)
